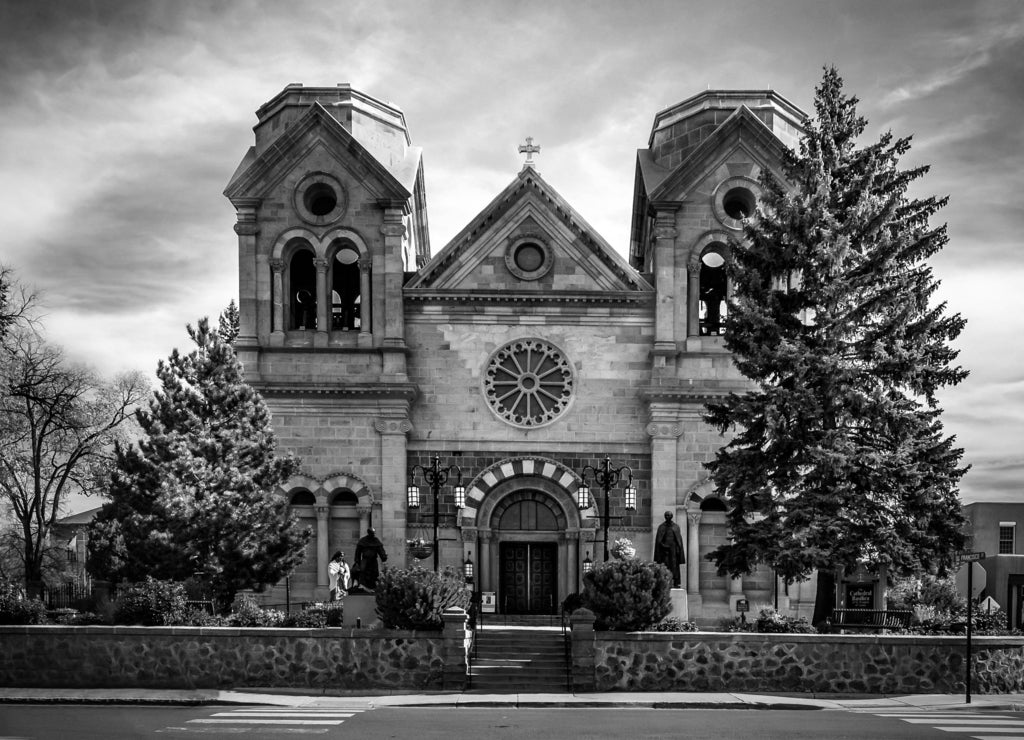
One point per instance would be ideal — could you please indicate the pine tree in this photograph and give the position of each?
(839, 455)
(228, 323)
(196, 496)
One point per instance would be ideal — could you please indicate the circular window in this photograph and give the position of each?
(320, 199)
(528, 383)
(735, 200)
(528, 257)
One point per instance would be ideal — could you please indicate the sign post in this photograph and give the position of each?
(971, 558)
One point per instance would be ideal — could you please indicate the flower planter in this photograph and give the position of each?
(421, 552)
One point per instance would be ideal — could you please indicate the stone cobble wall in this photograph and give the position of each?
(873, 664)
(221, 657)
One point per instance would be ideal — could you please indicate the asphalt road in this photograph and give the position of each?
(362, 722)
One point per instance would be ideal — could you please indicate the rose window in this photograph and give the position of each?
(528, 382)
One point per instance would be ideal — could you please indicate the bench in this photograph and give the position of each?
(870, 619)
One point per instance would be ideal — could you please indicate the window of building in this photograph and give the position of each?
(712, 291)
(345, 287)
(1007, 530)
(302, 497)
(528, 382)
(302, 279)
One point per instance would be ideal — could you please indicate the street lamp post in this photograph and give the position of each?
(435, 477)
(607, 477)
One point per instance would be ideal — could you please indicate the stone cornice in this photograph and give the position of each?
(390, 391)
(495, 296)
(686, 394)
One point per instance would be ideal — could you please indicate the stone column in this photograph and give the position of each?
(277, 334)
(323, 303)
(664, 431)
(583, 651)
(393, 229)
(365, 303)
(394, 459)
(693, 299)
(364, 518)
(693, 552)
(485, 579)
(322, 556)
(665, 233)
(248, 275)
(454, 635)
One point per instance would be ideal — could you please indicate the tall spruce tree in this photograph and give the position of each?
(196, 496)
(839, 455)
(228, 323)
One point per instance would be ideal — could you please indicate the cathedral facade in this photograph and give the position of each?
(525, 395)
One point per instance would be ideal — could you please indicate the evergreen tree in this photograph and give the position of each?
(197, 494)
(839, 454)
(228, 323)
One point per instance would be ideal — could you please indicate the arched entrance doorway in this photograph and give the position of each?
(527, 527)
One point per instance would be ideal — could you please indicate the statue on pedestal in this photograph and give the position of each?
(668, 548)
(368, 550)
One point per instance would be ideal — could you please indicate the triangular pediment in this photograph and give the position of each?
(528, 225)
(259, 174)
(742, 132)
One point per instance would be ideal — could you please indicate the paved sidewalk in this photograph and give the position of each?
(656, 700)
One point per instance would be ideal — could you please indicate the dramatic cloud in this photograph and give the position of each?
(124, 119)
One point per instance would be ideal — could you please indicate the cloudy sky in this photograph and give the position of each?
(121, 123)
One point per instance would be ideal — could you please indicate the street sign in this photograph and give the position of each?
(988, 605)
(970, 557)
(978, 578)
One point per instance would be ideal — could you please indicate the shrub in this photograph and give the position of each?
(769, 620)
(673, 624)
(414, 598)
(571, 603)
(151, 602)
(326, 614)
(735, 624)
(16, 609)
(628, 594)
(248, 613)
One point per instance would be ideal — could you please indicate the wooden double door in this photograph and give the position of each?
(529, 577)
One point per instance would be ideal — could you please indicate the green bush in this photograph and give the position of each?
(628, 594)
(769, 620)
(16, 609)
(248, 613)
(673, 624)
(151, 602)
(328, 614)
(414, 598)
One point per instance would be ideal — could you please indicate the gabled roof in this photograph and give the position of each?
(742, 125)
(255, 174)
(528, 196)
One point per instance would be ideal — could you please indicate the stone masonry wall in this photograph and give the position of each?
(876, 664)
(222, 657)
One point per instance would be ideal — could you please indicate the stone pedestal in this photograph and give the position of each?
(362, 607)
(680, 607)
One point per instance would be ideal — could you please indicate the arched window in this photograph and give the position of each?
(712, 291)
(302, 497)
(713, 503)
(344, 497)
(345, 289)
(302, 282)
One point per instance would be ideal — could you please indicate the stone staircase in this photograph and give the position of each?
(518, 659)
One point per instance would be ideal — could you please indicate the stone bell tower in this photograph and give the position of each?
(331, 215)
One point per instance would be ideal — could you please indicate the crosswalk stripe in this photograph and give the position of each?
(941, 715)
(998, 737)
(306, 715)
(242, 720)
(1005, 721)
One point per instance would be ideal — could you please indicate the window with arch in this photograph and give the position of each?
(713, 503)
(346, 300)
(344, 497)
(302, 497)
(712, 291)
(302, 289)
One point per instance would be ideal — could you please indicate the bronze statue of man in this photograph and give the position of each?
(368, 550)
(668, 548)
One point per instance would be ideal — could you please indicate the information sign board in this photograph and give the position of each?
(487, 601)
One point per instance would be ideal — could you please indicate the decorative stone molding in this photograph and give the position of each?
(665, 232)
(392, 426)
(664, 430)
(751, 191)
(276, 264)
(320, 264)
(389, 229)
(705, 240)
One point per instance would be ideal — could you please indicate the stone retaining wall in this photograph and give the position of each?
(876, 664)
(225, 657)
